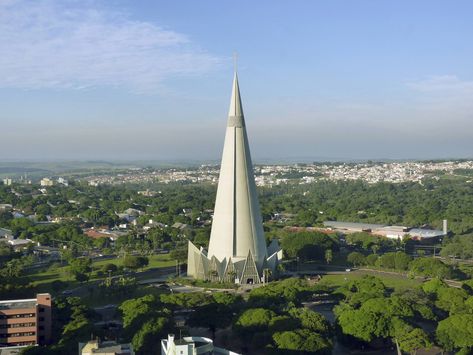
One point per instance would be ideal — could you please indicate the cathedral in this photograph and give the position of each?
(237, 249)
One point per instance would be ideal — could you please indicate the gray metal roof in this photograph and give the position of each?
(353, 225)
(426, 233)
(4, 232)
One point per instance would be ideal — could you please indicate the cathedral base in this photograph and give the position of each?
(239, 270)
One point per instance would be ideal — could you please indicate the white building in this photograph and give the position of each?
(7, 181)
(237, 248)
(105, 348)
(63, 181)
(191, 346)
(46, 182)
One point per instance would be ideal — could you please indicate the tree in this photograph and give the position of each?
(420, 302)
(387, 261)
(179, 254)
(313, 321)
(212, 316)
(414, 340)
(458, 246)
(282, 323)
(144, 341)
(134, 310)
(375, 248)
(356, 259)
(328, 256)
(398, 261)
(81, 277)
(364, 240)
(109, 267)
(72, 322)
(433, 286)
(302, 340)
(80, 268)
(392, 306)
(275, 294)
(308, 245)
(456, 331)
(135, 262)
(371, 259)
(12, 269)
(402, 261)
(430, 267)
(358, 291)
(363, 324)
(254, 319)
(451, 299)
(186, 300)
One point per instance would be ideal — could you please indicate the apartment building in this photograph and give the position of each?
(25, 322)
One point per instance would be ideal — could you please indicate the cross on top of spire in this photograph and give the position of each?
(235, 61)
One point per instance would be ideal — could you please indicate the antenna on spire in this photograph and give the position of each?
(235, 61)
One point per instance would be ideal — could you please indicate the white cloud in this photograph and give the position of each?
(73, 44)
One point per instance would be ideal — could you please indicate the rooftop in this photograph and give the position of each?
(426, 233)
(18, 304)
(353, 225)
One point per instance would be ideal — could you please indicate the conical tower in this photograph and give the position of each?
(237, 227)
(237, 236)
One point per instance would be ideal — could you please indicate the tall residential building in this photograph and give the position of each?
(26, 322)
(237, 247)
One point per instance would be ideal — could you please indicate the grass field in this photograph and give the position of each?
(155, 261)
(43, 278)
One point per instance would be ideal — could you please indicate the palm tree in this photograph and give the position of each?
(328, 256)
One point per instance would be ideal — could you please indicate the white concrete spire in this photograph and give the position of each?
(237, 247)
(236, 110)
(237, 227)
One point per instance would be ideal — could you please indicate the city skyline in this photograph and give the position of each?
(124, 81)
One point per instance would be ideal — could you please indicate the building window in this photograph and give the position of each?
(24, 315)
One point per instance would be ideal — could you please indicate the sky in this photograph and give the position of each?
(151, 79)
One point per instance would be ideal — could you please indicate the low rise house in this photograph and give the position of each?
(6, 233)
(105, 348)
(18, 243)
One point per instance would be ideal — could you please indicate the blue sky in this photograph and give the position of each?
(124, 79)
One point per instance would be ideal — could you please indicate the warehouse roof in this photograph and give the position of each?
(353, 225)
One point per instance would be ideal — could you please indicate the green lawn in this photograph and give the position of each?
(155, 261)
(392, 281)
(42, 278)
